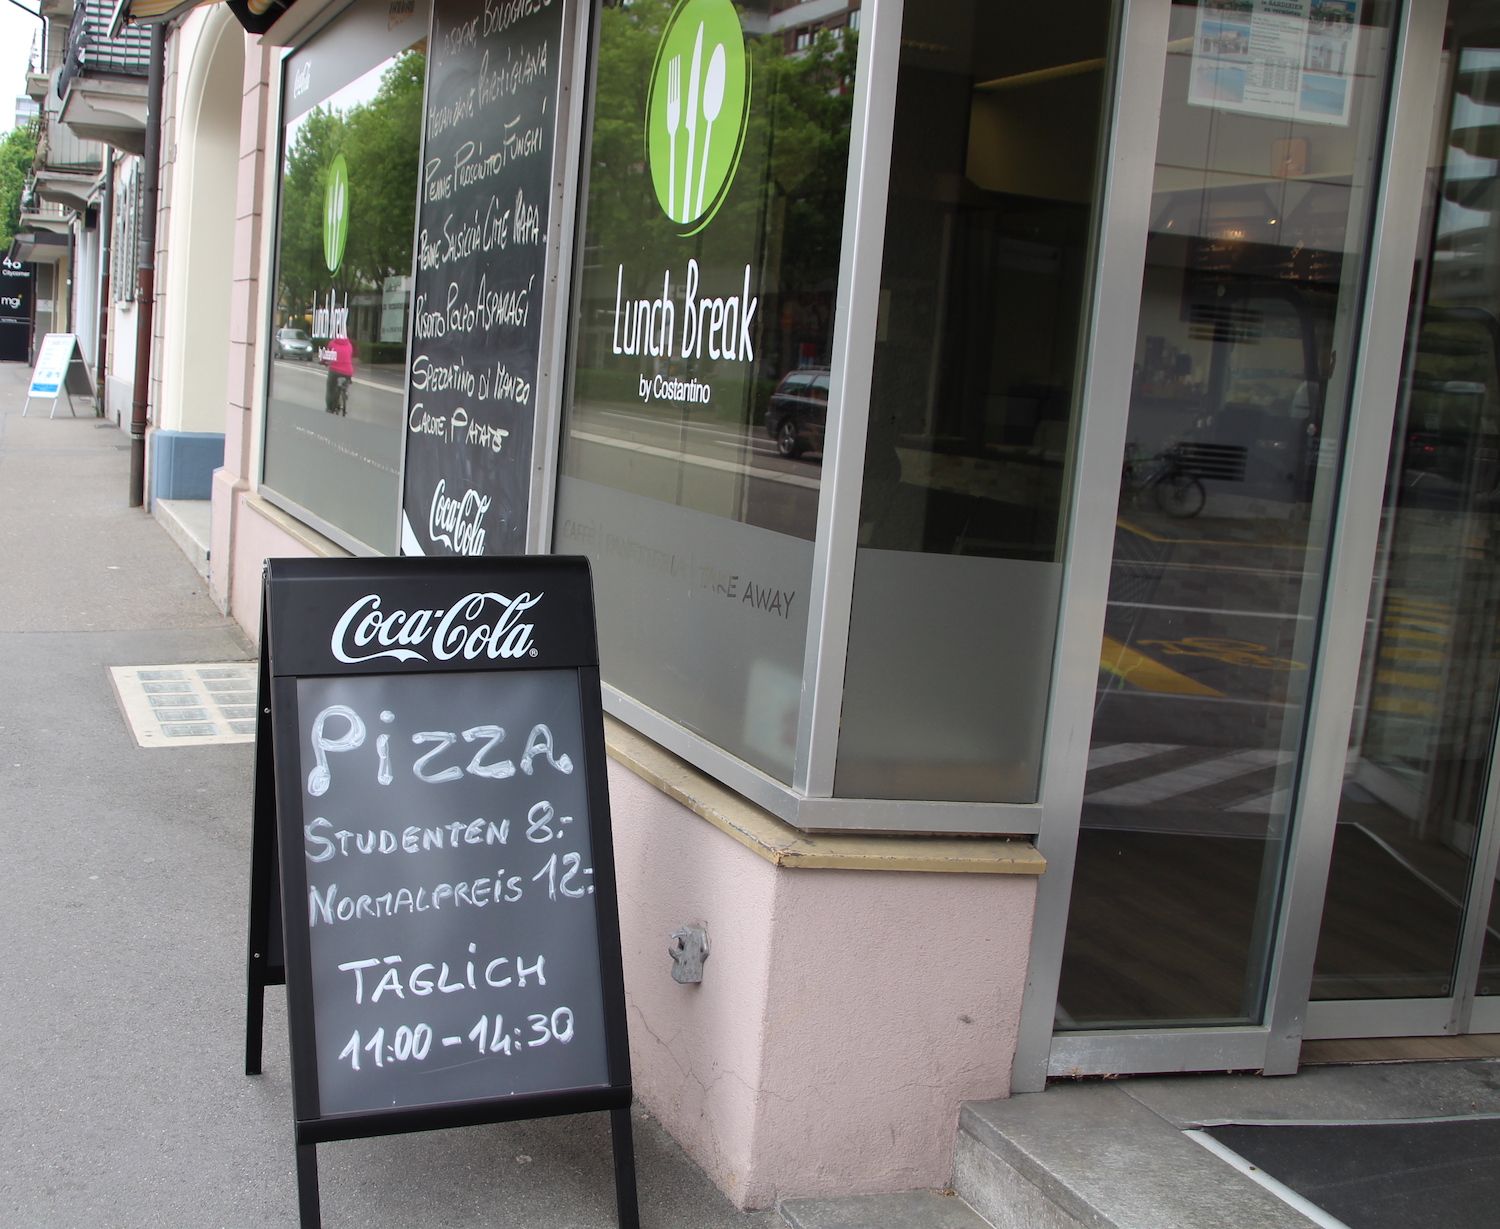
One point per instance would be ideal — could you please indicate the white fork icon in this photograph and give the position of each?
(674, 116)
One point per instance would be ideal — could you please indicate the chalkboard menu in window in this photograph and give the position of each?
(483, 274)
(432, 775)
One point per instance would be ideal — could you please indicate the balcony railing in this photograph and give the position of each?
(92, 53)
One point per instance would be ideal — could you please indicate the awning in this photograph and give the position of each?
(40, 247)
(257, 16)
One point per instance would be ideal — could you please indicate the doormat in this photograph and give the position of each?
(189, 705)
(1383, 1175)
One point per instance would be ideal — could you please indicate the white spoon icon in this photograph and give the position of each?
(713, 103)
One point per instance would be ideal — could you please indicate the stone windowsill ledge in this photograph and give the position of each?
(290, 525)
(783, 845)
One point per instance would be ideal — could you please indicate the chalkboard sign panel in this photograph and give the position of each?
(482, 285)
(450, 901)
(441, 824)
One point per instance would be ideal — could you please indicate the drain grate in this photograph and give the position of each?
(188, 705)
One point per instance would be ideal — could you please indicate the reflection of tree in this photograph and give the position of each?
(17, 152)
(783, 214)
(381, 143)
(303, 273)
(383, 148)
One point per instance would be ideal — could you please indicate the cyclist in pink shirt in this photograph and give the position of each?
(339, 355)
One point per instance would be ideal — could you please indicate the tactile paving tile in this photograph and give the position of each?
(188, 705)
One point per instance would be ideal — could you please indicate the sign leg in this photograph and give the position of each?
(264, 957)
(255, 1014)
(26, 409)
(627, 1207)
(308, 1206)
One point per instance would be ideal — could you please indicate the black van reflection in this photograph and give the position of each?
(798, 411)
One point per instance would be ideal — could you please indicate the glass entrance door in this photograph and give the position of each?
(1268, 150)
(1410, 932)
(1253, 618)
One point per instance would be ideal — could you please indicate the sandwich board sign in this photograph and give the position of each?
(431, 809)
(60, 371)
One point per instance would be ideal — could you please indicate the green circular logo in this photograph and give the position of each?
(336, 214)
(698, 109)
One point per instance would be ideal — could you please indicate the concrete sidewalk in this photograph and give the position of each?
(123, 882)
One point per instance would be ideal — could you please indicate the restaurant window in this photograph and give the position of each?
(973, 402)
(351, 142)
(700, 357)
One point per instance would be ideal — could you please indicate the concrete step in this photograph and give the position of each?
(911, 1210)
(187, 521)
(1090, 1154)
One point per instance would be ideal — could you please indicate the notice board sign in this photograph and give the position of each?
(60, 371)
(440, 823)
(483, 291)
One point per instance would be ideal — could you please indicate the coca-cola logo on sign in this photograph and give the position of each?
(458, 523)
(478, 623)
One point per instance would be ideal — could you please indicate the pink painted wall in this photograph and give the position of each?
(843, 1014)
(256, 540)
(233, 562)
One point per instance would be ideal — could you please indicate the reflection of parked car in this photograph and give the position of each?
(798, 411)
(294, 343)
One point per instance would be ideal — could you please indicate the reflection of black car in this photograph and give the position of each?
(294, 343)
(798, 411)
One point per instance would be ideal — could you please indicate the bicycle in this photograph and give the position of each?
(338, 400)
(1175, 490)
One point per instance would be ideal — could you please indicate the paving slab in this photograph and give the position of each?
(73, 555)
(912, 1210)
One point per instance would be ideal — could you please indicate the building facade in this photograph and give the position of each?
(1040, 475)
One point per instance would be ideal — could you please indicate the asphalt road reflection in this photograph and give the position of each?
(727, 469)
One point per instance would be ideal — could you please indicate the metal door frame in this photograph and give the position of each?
(1393, 234)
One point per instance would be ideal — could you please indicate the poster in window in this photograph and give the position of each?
(1286, 59)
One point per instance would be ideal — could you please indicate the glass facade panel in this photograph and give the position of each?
(991, 212)
(699, 367)
(1268, 148)
(1424, 729)
(336, 389)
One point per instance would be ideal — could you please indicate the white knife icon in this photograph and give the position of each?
(692, 124)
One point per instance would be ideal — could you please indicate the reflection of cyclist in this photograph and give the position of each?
(340, 352)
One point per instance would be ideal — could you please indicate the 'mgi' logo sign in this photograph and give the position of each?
(698, 110)
(487, 623)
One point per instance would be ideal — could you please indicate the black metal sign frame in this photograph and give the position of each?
(306, 634)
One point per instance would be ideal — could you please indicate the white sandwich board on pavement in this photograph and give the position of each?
(60, 371)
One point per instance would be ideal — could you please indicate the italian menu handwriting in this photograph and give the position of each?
(481, 264)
